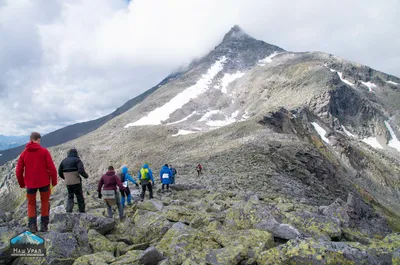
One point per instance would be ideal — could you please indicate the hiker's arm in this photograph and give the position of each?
(60, 170)
(81, 169)
(151, 175)
(101, 182)
(51, 168)
(119, 183)
(129, 177)
(20, 171)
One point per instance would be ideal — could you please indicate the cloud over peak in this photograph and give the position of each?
(68, 61)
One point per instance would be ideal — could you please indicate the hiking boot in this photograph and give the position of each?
(44, 227)
(33, 228)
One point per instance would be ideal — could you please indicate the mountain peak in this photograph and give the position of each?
(235, 33)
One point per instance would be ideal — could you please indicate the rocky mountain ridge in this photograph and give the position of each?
(291, 174)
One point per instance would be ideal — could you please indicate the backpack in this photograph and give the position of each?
(174, 171)
(122, 177)
(144, 172)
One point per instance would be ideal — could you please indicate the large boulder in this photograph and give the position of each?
(315, 224)
(131, 257)
(312, 251)
(250, 214)
(100, 243)
(65, 222)
(179, 214)
(228, 255)
(150, 205)
(99, 258)
(149, 226)
(182, 242)
(250, 241)
(150, 256)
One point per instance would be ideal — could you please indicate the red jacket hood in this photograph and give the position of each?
(32, 147)
(110, 173)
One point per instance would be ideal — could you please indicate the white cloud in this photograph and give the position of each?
(77, 60)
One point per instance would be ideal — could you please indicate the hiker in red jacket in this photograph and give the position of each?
(109, 183)
(199, 168)
(35, 170)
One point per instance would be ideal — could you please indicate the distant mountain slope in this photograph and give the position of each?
(74, 131)
(7, 142)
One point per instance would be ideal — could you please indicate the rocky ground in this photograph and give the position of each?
(273, 193)
(193, 225)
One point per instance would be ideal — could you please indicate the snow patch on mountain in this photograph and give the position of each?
(209, 114)
(227, 79)
(347, 132)
(340, 76)
(162, 113)
(344, 80)
(369, 85)
(393, 83)
(183, 132)
(394, 142)
(184, 119)
(268, 59)
(372, 141)
(219, 123)
(321, 131)
(245, 116)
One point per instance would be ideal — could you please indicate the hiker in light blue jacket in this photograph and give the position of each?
(125, 177)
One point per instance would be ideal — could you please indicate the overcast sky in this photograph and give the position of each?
(63, 62)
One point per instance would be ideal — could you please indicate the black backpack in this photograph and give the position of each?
(122, 177)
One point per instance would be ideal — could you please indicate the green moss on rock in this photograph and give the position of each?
(100, 243)
(182, 242)
(103, 257)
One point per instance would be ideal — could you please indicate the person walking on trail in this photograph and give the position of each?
(174, 172)
(165, 177)
(145, 177)
(125, 177)
(69, 170)
(109, 182)
(199, 168)
(36, 171)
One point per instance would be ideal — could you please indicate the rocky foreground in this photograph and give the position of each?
(192, 225)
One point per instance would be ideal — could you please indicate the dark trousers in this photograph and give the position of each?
(75, 190)
(44, 204)
(165, 185)
(150, 187)
(126, 192)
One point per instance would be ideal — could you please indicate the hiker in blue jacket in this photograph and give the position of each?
(125, 177)
(165, 176)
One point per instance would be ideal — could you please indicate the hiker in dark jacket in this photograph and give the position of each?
(174, 172)
(69, 170)
(109, 183)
